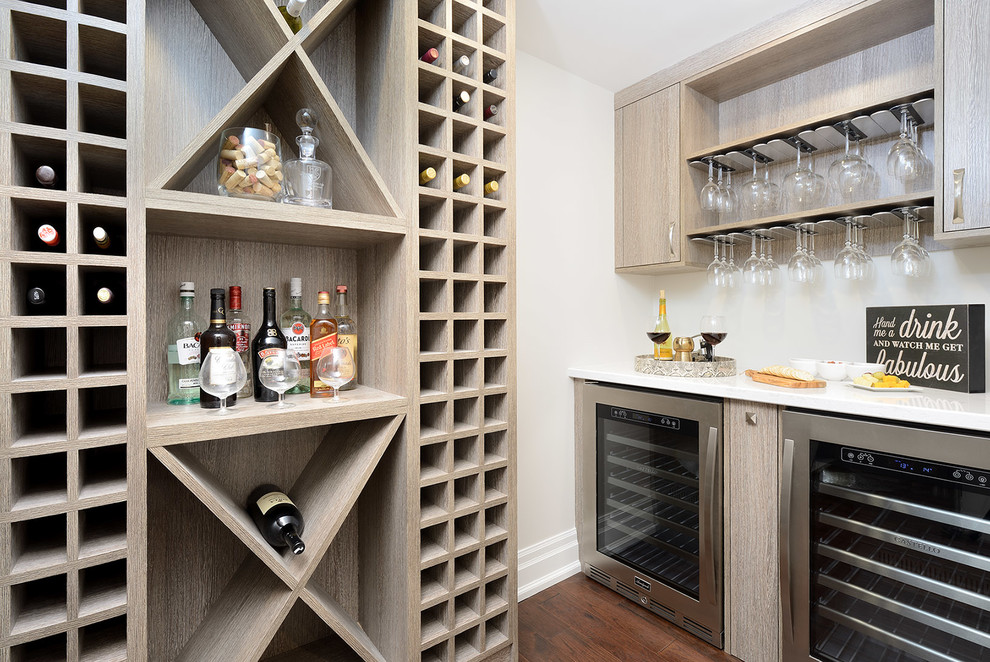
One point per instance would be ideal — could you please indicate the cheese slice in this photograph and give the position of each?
(788, 372)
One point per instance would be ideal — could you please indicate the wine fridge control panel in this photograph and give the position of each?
(950, 473)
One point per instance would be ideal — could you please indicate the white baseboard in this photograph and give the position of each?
(547, 562)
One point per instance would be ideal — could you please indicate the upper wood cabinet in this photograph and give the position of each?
(965, 98)
(647, 155)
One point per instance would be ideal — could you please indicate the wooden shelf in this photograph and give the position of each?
(180, 213)
(172, 424)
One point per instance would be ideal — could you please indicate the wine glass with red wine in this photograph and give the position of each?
(713, 331)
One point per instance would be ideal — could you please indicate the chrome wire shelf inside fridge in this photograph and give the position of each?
(675, 494)
(671, 569)
(648, 462)
(686, 457)
(652, 511)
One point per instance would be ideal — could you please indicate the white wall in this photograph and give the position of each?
(574, 310)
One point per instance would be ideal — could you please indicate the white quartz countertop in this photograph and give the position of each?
(929, 406)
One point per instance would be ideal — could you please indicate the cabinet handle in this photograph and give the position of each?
(670, 239)
(958, 176)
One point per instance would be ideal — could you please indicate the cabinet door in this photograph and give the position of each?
(966, 98)
(750, 498)
(646, 177)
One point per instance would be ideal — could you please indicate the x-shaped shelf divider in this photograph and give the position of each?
(254, 603)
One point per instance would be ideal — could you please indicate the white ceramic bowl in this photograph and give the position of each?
(854, 370)
(808, 365)
(832, 371)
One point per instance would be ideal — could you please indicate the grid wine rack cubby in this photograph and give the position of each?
(64, 381)
(466, 398)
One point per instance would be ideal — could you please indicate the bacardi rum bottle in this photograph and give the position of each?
(346, 333)
(182, 336)
(294, 323)
(238, 322)
(323, 337)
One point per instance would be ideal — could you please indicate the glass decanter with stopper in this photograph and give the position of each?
(308, 181)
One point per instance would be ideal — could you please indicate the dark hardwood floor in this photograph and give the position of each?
(579, 620)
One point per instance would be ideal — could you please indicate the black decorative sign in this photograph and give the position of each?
(939, 346)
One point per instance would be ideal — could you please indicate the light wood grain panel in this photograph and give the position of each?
(965, 137)
(346, 627)
(250, 33)
(650, 156)
(752, 610)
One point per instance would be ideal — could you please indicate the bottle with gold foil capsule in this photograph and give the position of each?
(461, 181)
(491, 187)
(663, 351)
(427, 175)
(322, 337)
(347, 335)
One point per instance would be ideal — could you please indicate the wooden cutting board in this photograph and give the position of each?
(786, 382)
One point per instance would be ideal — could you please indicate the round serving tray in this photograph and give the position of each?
(722, 366)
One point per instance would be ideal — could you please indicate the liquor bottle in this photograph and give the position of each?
(427, 175)
(430, 56)
(490, 76)
(322, 337)
(238, 322)
(461, 181)
(48, 236)
(216, 336)
(347, 335)
(182, 336)
(279, 520)
(101, 238)
(45, 175)
(295, 326)
(291, 11)
(461, 98)
(663, 351)
(268, 339)
(461, 64)
(491, 187)
(308, 180)
(490, 111)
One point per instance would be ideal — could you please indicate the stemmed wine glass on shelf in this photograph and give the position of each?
(222, 375)
(336, 368)
(279, 371)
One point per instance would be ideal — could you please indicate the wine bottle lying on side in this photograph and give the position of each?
(280, 522)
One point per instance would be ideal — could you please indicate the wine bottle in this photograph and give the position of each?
(490, 76)
(346, 333)
(427, 175)
(279, 520)
(663, 351)
(238, 322)
(45, 175)
(216, 336)
(461, 64)
(430, 56)
(461, 98)
(491, 187)
(461, 181)
(49, 236)
(295, 327)
(291, 12)
(101, 238)
(322, 338)
(491, 110)
(268, 339)
(182, 336)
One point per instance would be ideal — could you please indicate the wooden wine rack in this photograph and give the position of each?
(122, 518)
(466, 397)
(64, 491)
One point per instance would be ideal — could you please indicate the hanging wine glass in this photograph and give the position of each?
(752, 269)
(771, 193)
(867, 266)
(802, 188)
(907, 259)
(772, 269)
(846, 265)
(733, 272)
(850, 176)
(800, 267)
(752, 196)
(818, 269)
(715, 272)
(710, 191)
(729, 201)
(904, 160)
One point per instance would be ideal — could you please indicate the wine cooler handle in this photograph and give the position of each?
(958, 177)
(670, 240)
(784, 537)
(714, 528)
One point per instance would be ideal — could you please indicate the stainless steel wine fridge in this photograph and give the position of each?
(885, 542)
(652, 501)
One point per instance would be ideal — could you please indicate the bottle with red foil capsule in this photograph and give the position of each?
(322, 337)
(268, 339)
(491, 110)
(430, 56)
(295, 327)
(49, 238)
(238, 322)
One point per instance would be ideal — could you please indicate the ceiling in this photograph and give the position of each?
(619, 42)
